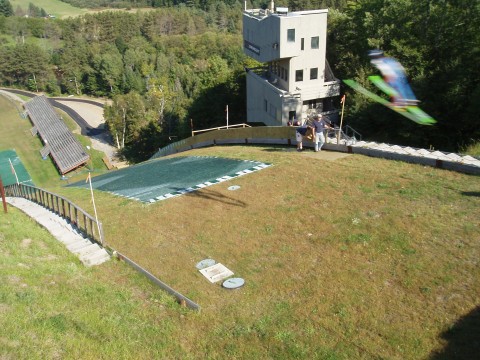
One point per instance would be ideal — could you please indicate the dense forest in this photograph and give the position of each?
(184, 60)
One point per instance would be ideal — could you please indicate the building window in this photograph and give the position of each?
(314, 74)
(315, 42)
(291, 35)
(302, 46)
(299, 75)
(265, 102)
(292, 116)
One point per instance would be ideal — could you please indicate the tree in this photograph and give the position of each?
(158, 98)
(109, 66)
(116, 120)
(437, 42)
(213, 71)
(449, 31)
(34, 11)
(125, 118)
(23, 63)
(6, 8)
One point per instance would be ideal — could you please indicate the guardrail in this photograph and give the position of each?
(220, 128)
(60, 206)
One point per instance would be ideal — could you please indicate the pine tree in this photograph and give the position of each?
(6, 8)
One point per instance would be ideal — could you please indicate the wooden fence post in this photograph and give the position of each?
(2, 191)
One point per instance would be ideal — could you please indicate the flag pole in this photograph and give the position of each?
(89, 178)
(13, 170)
(227, 115)
(341, 118)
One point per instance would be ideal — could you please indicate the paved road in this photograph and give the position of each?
(95, 129)
(85, 128)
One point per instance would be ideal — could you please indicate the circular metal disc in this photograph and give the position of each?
(205, 263)
(233, 283)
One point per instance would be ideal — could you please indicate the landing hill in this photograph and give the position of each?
(354, 257)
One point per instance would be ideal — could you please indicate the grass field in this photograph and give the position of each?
(62, 9)
(356, 258)
(57, 8)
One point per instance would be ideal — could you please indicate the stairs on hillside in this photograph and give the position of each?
(445, 160)
(429, 154)
(88, 252)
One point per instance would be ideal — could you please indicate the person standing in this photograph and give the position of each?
(319, 125)
(303, 131)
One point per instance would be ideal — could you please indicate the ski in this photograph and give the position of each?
(411, 112)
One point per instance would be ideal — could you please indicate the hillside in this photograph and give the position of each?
(57, 8)
(343, 257)
(62, 10)
(337, 262)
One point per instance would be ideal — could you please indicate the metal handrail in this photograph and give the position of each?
(60, 206)
(220, 128)
(354, 132)
(339, 134)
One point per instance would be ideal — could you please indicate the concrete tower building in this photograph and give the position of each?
(295, 80)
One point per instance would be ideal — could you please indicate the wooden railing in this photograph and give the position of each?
(60, 206)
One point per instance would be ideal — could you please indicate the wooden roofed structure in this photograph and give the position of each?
(66, 151)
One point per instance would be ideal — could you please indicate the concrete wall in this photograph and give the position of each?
(285, 135)
(306, 27)
(265, 104)
(266, 37)
(260, 37)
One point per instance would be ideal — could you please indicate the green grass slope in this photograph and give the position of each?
(344, 257)
(57, 8)
(52, 307)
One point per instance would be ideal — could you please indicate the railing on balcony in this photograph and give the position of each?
(61, 206)
(329, 73)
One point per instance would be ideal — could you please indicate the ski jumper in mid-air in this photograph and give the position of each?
(395, 85)
(394, 75)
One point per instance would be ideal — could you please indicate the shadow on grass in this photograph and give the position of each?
(463, 338)
(280, 149)
(471, 193)
(214, 195)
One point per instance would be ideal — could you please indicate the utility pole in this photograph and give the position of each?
(341, 118)
(227, 115)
